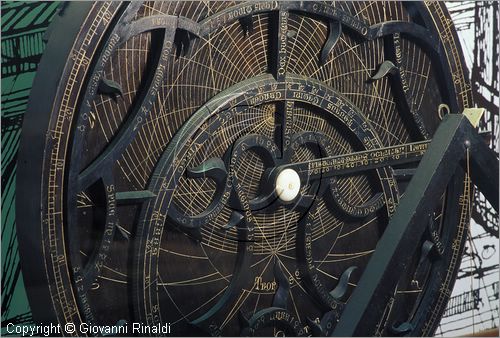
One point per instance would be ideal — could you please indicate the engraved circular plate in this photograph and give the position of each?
(147, 171)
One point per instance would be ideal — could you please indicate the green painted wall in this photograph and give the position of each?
(23, 28)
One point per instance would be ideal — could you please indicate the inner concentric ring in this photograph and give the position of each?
(243, 121)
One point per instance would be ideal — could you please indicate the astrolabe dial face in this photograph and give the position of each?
(205, 165)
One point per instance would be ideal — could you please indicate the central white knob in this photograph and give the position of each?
(287, 185)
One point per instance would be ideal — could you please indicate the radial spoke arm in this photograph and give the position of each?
(278, 45)
(358, 161)
(284, 124)
(278, 41)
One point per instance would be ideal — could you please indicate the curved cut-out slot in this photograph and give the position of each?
(91, 206)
